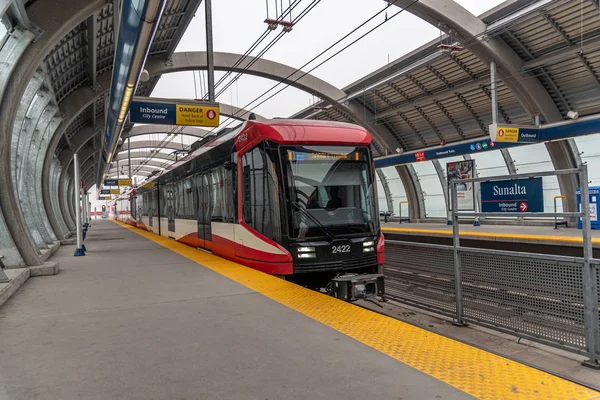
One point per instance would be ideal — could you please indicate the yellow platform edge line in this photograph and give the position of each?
(476, 372)
(542, 238)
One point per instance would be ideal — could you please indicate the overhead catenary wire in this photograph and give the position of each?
(269, 46)
(287, 78)
(257, 42)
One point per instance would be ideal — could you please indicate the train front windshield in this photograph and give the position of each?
(330, 189)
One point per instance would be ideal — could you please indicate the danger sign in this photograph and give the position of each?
(506, 134)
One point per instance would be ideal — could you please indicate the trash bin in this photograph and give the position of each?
(594, 201)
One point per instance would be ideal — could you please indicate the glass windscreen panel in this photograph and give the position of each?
(330, 190)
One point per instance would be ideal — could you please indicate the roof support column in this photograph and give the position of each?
(71, 202)
(44, 134)
(24, 176)
(10, 53)
(526, 87)
(55, 19)
(444, 182)
(414, 193)
(33, 175)
(54, 190)
(63, 196)
(386, 189)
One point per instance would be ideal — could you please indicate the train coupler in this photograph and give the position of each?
(352, 287)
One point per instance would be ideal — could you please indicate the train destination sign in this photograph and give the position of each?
(117, 182)
(513, 195)
(110, 191)
(148, 110)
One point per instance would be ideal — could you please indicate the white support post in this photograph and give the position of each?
(77, 186)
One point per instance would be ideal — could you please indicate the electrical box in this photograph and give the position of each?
(355, 287)
(594, 192)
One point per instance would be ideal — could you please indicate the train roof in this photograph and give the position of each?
(281, 130)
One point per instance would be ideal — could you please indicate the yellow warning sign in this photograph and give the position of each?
(115, 191)
(197, 115)
(506, 134)
(124, 182)
(148, 185)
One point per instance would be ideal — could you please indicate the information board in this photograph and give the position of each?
(172, 112)
(513, 195)
(465, 192)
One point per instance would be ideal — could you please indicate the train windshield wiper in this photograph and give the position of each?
(314, 220)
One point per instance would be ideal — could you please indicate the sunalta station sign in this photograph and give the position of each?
(514, 195)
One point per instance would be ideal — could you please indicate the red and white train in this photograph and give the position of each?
(292, 198)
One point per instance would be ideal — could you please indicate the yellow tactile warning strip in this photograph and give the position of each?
(491, 235)
(476, 372)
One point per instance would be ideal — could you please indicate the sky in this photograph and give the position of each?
(238, 23)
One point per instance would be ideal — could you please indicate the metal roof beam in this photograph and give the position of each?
(190, 12)
(467, 28)
(92, 44)
(589, 69)
(189, 61)
(17, 12)
(433, 96)
(139, 130)
(563, 54)
(144, 144)
(503, 23)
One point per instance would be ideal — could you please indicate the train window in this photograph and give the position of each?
(217, 205)
(188, 199)
(260, 189)
(228, 184)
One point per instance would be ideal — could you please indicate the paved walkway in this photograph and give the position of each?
(135, 320)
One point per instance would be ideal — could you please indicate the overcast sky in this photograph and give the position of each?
(238, 23)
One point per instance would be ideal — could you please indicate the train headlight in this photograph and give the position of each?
(370, 243)
(368, 246)
(306, 249)
(306, 252)
(307, 255)
(368, 249)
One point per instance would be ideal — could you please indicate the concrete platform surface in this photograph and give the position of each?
(134, 320)
(539, 234)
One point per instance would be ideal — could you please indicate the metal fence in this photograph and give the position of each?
(534, 296)
(545, 298)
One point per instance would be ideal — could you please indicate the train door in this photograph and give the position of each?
(208, 181)
(204, 209)
(149, 203)
(171, 194)
(201, 189)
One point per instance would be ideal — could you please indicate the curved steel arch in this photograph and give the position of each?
(139, 130)
(186, 61)
(151, 144)
(526, 87)
(137, 162)
(142, 171)
(55, 19)
(191, 61)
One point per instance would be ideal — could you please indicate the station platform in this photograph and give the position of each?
(144, 317)
(508, 233)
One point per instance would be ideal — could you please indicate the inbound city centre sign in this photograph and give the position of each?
(513, 195)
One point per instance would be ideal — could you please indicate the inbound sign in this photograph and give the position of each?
(514, 195)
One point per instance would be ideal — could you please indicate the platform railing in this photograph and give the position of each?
(545, 298)
(538, 297)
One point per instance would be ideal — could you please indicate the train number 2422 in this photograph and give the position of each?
(345, 248)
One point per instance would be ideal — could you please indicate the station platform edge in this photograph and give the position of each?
(473, 371)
